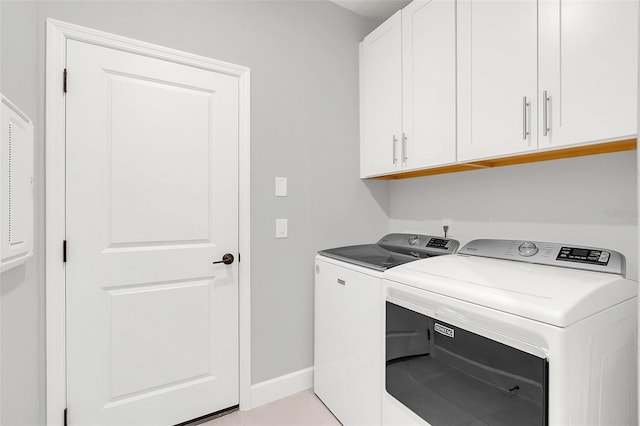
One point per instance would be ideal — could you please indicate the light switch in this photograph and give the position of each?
(281, 228)
(281, 187)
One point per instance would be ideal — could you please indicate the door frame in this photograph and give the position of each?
(57, 34)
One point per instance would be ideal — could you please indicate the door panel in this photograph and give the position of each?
(448, 375)
(139, 357)
(382, 98)
(152, 324)
(429, 82)
(155, 162)
(589, 70)
(497, 69)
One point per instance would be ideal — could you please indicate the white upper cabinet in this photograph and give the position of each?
(459, 81)
(429, 83)
(497, 78)
(408, 90)
(588, 71)
(381, 98)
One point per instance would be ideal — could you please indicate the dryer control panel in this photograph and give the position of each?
(584, 255)
(552, 254)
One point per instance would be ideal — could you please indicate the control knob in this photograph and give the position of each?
(527, 249)
(413, 239)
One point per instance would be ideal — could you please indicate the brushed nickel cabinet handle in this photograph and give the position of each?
(545, 113)
(395, 143)
(525, 120)
(405, 157)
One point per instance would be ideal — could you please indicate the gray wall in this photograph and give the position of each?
(303, 57)
(21, 289)
(586, 201)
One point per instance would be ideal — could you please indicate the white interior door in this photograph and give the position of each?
(152, 201)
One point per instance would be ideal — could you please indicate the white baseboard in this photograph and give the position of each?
(280, 387)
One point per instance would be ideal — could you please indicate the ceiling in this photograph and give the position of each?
(378, 10)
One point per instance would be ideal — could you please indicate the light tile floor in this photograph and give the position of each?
(300, 409)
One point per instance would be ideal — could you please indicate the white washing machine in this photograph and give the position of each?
(349, 308)
(511, 333)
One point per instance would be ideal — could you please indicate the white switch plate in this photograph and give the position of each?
(281, 187)
(281, 228)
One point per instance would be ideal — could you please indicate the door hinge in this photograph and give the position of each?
(64, 81)
(64, 251)
(65, 417)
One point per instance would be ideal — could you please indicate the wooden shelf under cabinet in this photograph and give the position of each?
(556, 154)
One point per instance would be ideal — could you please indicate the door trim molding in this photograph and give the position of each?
(58, 33)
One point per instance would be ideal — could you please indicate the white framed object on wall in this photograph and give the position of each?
(17, 186)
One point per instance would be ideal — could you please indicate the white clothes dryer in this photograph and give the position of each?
(511, 333)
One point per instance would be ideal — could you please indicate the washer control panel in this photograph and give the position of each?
(419, 245)
(552, 254)
(439, 243)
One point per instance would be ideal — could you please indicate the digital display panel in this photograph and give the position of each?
(581, 255)
(439, 243)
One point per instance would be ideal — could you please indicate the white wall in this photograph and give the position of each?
(304, 94)
(585, 201)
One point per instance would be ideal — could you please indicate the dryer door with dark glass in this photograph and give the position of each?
(452, 377)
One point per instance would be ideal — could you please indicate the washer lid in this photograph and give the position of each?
(370, 256)
(553, 295)
(393, 250)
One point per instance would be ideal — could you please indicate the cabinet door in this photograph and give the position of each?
(588, 70)
(429, 83)
(497, 78)
(348, 360)
(381, 98)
